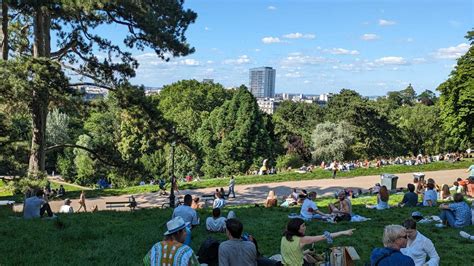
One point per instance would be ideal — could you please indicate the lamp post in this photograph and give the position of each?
(173, 179)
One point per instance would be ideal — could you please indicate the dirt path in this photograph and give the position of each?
(246, 194)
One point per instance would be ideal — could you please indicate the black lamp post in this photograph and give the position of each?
(173, 178)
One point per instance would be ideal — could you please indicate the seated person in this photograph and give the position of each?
(36, 206)
(457, 214)
(271, 200)
(172, 250)
(162, 184)
(456, 188)
(343, 211)
(421, 186)
(236, 251)
(218, 201)
(61, 191)
(294, 241)
(216, 223)
(382, 199)
(196, 204)
(222, 193)
(309, 210)
(66, 208)
(436, 186)
(394, 239)
(430, 196)
(188, 214)
(410, 199)
(445, 194)
(419, 246)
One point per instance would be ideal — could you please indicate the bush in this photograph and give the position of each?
(22, 185)
(289, 160)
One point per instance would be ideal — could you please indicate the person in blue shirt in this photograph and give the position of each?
(394, 238)
(457, 214)
(470, 170)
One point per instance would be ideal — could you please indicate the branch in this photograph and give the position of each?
(92, 84)
(55, 147)
(80, 72)
(67, 48)
(119, 21)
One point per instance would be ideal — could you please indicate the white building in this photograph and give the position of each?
(268, 105)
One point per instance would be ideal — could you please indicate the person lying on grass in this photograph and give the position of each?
(294, 240)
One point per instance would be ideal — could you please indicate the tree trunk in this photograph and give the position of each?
(40, 99)
(5, 30)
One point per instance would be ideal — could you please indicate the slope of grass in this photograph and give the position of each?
(123, 238)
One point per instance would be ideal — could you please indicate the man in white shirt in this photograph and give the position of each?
(66, 208)
(309, 210)
(419, 246)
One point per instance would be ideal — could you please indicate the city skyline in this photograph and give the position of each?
(319, 46)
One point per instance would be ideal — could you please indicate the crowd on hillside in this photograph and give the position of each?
(402, 244)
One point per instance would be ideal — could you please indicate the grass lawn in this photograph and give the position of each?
(123, 238)
(74, 192)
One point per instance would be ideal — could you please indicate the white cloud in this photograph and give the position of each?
(299, 59)
(369, 37)
(419, 60)
(410, 39)
(295, 74)
(391, 60)
(207, 28)
(306, 82)
(271, 8)
(341, 51)
(298, 35)
(243, 59)
(452, 52)
(189, 62)
(383, 22)
(268, 40)
(209, 61)
(257, 50)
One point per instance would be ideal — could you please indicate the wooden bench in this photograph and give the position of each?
(209, 197)
(131, 203)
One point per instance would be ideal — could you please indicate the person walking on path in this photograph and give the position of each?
(335, 168)
(231, 187)
(82, 202)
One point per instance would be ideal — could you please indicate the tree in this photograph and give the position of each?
(420, 128)
(235, 136)
(159, 25)
(293, 123)
(427, 98)
(332, 141)
(457, 101)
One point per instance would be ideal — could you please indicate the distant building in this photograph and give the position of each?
(152, 90)
(268, 105)
(92, 92)
(208, 81)
(262, 82)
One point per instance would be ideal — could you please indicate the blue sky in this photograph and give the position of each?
(320, 46)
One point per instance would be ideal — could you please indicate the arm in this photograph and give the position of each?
(306, 240)
(431, 251)
(223, 257)
(444, 206)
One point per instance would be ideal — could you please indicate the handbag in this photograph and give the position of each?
(343, 256)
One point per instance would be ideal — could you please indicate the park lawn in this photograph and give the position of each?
(123, 238)
(74, 192)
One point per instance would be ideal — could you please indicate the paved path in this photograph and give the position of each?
(247, 194)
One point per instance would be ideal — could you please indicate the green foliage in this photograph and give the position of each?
(332, 141)
(420, 128)
(66, 166)
(293, 122)
(235, 136)
(57, 128)
(83, 162)
(289, 160)
(457, 101)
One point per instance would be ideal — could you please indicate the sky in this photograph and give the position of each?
(318, 47)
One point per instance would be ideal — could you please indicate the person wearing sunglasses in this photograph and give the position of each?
(419, 246)
(394, 238)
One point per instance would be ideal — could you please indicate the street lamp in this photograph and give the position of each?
(173, 178)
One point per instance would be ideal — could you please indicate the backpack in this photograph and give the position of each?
(209, 252)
